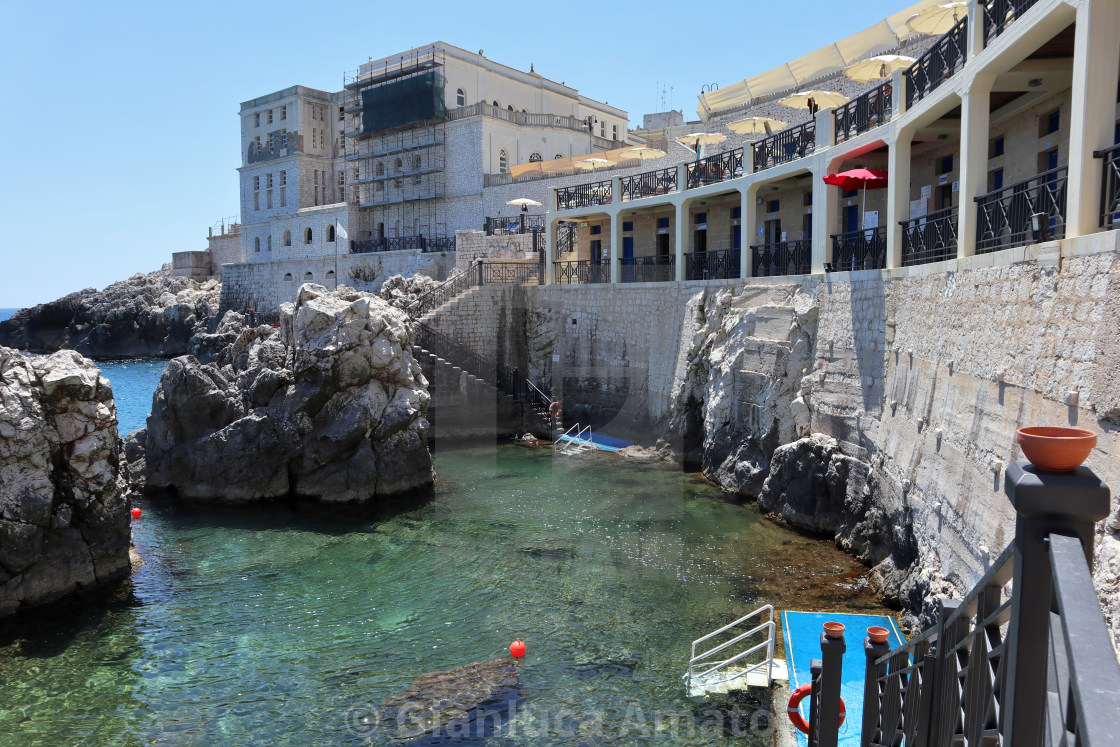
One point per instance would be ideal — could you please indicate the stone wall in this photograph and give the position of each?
(472, 245)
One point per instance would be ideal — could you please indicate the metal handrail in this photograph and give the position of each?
(769, 663)
(768, 644)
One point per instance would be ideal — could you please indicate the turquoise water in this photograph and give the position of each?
(289, 624)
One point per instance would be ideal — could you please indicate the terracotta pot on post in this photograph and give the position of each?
(834, 629)
(877, 634)
(1056, 449)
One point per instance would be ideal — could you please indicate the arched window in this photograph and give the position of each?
(307, 236)
(330, 232)
(257, 244)
(288, 277)
(416, 163)
(559, 156)
(503, 162)
(287, 238)
(381, 169)
(497, 104)
(510, 107)
(397, 166)
(307, 277)
(381, 230)
(534, 157)
(330, 274)
(460, 97)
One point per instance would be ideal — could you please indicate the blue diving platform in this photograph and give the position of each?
(802, 631)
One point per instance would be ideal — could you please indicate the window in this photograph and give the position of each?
(503, 162)
(257, 244)
(662, 222)
(341, 178)
(945, 164)
(341, 114)
(314, 138)
(271, 143)
(330, 274)
(534, 157)
(284, 139)
(596, 230)
(849, 193)
(995, 180)
(773, 206)
(288, 277)
(997, 147)
(283, 113)
(256, 200)
(460, 97)
(269, 180)
(256, 183)
(700, 217)
(736, 212)
(398, 165)
(257, 119)
(287, 237)
(308, 277)
(416, 163)
(283, 178)
(614, 132)
(497, 104)
(257, 144)
(307, 236)
(380, 169)
(270, 242)
(558, 156)
(283, 196)
(268, 199)
(1053, 122)
(270, 116)
(627, 225)
(510, 108)
(330, 233)
(807, 199)
(602, 129)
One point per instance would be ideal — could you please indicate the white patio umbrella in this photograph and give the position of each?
(757, 126)
(590, 164)
(698, 139)
(642, 153)
(937, 19)
(820, 99)
(523, 202)
(877, 68)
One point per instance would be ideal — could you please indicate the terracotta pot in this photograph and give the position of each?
(834, 629)
(877, 634)
(1056, 449)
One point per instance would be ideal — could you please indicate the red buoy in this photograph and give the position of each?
(136, 513)
(517, 648)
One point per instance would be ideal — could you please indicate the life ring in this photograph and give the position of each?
(554, 409)
(795, 713)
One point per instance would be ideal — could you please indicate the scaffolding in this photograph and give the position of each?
(395, 154)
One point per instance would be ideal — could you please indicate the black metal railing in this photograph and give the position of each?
(865, 249)
(655, 269)
(713, 264)
(514, 224)
(864, 113)
(649, 184)
(938, 64)
(1026, 212)
(511, 273)
(1110, 186)
(782, 258)
(998, 15)
(788, 145)
(567, 237)
(713, 169)
(931, 238)
(580, 272)
(480, 273)
(403, 243)
(583, 195)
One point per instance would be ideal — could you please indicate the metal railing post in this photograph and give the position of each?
(871, 704)
(1066, 503)
(478, 263)
(814, 702)
(832, 660)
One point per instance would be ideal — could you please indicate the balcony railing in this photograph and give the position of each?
(522, 223)
(649, 184)
(863, 113)
(567, 236)
(403, 243)
(580, 272)
(865, 249)
(1024, 213)
(525, 119)
(931, 238)
(717, 168)
(583, 195)
(937, 65)
(1110, 186)
(655, 269)
(714, 264)
(785, 146)
(782, 258)
(998, 15)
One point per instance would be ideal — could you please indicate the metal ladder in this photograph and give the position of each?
(577, 443)
(717, 676)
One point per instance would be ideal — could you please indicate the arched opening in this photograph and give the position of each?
(397, 166)
(559, 156)
(503, 162)
(287, 238)
(534, 157)
(381, 169)
(460, 97)
(330, 274)
(497, 104)
(417, 162)
(330, 232)
(308, 277)
(307, 236)
(257, 244)
(510, 107)
(381, 230)
(288, 277)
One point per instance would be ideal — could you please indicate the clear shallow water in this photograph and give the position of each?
(280, 624)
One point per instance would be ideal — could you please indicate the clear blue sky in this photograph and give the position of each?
(120, 132)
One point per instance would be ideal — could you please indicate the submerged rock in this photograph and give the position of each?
(64, 519)
(330, 406)
(151, 316)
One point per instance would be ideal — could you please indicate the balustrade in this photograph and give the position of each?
(1026, 212)
(583, 195)
(938, 64)
(931, 238)
(865, 249)
(717, 168)
(660, 182)
(998, 15)
(1110, 186)
(653, 269)
(863, 113)
(782, 258)
(788, 145)
(580, 272)
(714, 264)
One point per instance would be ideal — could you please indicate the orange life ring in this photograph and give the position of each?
(554, 409)
(795, 713)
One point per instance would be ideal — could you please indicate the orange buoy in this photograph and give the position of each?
(136, 513)
(517, 648)
(794, 711)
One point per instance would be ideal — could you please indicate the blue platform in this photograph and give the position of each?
(599, 441)
(802, 632)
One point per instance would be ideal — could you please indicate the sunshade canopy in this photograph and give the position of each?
(702, 138)
(757, 126)
(523, 201)
(877, 68)
(823, 99)
(858, 179)
(938, 19)
(642, 153)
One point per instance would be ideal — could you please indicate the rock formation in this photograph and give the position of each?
(330, 406)
(401, 292)
(151, 315)
(64, 520)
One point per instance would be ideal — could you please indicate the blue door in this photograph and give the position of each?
(628, 247)
(851, 219)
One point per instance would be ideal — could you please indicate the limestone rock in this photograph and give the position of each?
(151, 315)
(401, 291)
(64, 519)
(331, 406)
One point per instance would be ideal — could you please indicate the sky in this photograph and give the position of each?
(120, 125)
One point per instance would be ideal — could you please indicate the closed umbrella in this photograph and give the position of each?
(814, 100)
(590, 164)
(937, 19)
(698, 139)
(757, 126)
(877, 68)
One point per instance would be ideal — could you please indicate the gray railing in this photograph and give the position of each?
(1110, 186)
(525, 119)
(1023, 213)
(937, 65)
(649, 184)
(403, 243)
(583, 195)
(653, 269)
(567, 236)
(999, 667)
(580, 272)
(521, 223)
(713, 169)
(998, 15)
(782, 258)
(865, 249)
(785, 146)
(931, 238)
(863, 113)
(479, 273)
(713, 264)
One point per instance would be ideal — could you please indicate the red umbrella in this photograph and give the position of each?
(858, 179)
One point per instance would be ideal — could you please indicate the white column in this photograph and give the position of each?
(975, 31)
(898, 196)
(748, 227)
(680, 235)
(974, 160)
(825, 210)
(550, 238)
(1096, 56)
(898, 93)
(616, 241)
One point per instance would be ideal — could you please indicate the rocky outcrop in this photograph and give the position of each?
(401, 291)
(151, 315)
(330, 406)
(64, 520)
